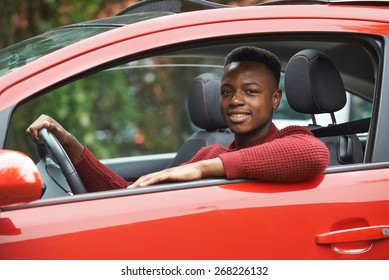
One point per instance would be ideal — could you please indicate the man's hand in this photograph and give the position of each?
(193, 171)
(70, 144)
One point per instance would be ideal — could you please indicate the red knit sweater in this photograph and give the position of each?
(289, 155)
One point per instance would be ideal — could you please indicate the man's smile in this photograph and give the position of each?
(238, 116)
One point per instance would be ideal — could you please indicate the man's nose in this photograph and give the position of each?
(238, 97)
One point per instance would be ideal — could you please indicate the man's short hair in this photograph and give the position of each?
(250, 53)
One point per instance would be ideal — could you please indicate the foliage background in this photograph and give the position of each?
(21, 19)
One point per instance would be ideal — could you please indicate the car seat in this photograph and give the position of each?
(204, 112)
(313, 85)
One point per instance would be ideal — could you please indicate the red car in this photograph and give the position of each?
(121, 86)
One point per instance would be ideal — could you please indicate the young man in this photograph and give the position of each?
(249, 95)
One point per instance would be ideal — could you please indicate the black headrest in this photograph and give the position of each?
(203, 102)
(313, 84)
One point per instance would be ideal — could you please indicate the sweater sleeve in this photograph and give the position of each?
(292, 158)
(96, 176)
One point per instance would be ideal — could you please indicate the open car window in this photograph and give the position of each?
(139, 107)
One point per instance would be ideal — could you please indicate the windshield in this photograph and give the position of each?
(29, 50)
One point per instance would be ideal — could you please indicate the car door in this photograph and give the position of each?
(242, 220)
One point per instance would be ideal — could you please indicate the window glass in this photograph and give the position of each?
(31, 49)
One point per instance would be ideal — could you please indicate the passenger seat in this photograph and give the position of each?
(313, 85)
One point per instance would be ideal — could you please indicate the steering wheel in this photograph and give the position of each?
(55, 149)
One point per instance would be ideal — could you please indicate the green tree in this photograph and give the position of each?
(21, 19)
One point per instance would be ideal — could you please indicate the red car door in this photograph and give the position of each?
(333, 217)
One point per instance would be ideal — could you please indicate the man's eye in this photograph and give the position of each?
(226, 92)
(252, 91)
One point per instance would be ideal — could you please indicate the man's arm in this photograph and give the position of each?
(293, 158)
(94, 175)
(192, 171)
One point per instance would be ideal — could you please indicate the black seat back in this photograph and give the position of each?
(204, 112)
(313, 85)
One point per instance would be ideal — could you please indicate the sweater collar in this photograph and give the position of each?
(268, 136)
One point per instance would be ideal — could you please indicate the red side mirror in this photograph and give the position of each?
(20, 181)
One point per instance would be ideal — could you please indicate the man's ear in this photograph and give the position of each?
(277, 98)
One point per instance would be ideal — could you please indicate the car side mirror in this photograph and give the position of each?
(20, 181)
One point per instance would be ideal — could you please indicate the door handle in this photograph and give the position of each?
(354, 234)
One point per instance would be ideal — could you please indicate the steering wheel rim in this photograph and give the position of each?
(54, 148)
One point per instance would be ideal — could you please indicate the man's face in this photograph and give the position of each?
(248, 97)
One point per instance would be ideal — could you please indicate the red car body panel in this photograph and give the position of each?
(209, 223)
(213, 222)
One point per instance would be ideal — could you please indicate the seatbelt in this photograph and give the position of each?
(353, 127)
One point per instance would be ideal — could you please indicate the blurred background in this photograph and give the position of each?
(22, 19)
